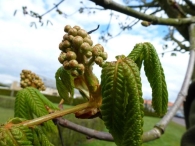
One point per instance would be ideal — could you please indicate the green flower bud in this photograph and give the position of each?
(70, 55)
(145, 23)
(82, 33)
(72, 31)
(73, 63)
(99, 60)
(29, 76)
(67, 28)
(85, 47)
(25, 85)
(67, 49)
(66, 65)
(77, 41)
(77, 27)
(104, 55)
(29, 83)
(36, 77)
(35, 82)
(42, 88)
(100, 47)
(80, 68)
(22, 76)
(88, 54)
(74, 73)
(39, 84)
(96, 50)
(26, 80)
(70, 38)
(88, 40)
(65, 44)
(65, 37)
(62, 57)
(61, 46)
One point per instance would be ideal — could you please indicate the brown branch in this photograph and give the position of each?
(84, 130)
(189, 3)
(110, 4)
(147, 136)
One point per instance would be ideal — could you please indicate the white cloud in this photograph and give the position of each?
(24, 47)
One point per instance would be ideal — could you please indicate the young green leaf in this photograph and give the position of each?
(155, 74)
(156, 77)
(38, 107)
(15, 135)
(21, 109)
(122, 103)
(64, 84)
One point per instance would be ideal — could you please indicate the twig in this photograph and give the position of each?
(91, 31)
(84, 130)
(52, 8)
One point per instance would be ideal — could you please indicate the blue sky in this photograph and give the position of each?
(24, 47)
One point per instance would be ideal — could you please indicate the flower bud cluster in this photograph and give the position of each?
(30, 79)
(99, 54)
(75, 46)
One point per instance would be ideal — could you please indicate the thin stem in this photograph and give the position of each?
(84, 130)
(52, 8)
(54, 115)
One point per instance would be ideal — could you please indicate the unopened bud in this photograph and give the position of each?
(72, 31)
(77, 41)
(88, 40)
(82, 33)
(67, 28)
(73, 63)
(70, 55)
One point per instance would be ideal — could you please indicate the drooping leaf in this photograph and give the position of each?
(64, 84)
(155, 74)
(122, 105)
(137, 55)
(156, 78)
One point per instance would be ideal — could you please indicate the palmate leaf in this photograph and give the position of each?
(155, 74)
(122, 105)
(64, 84)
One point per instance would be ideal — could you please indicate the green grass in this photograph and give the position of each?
(5, 114)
